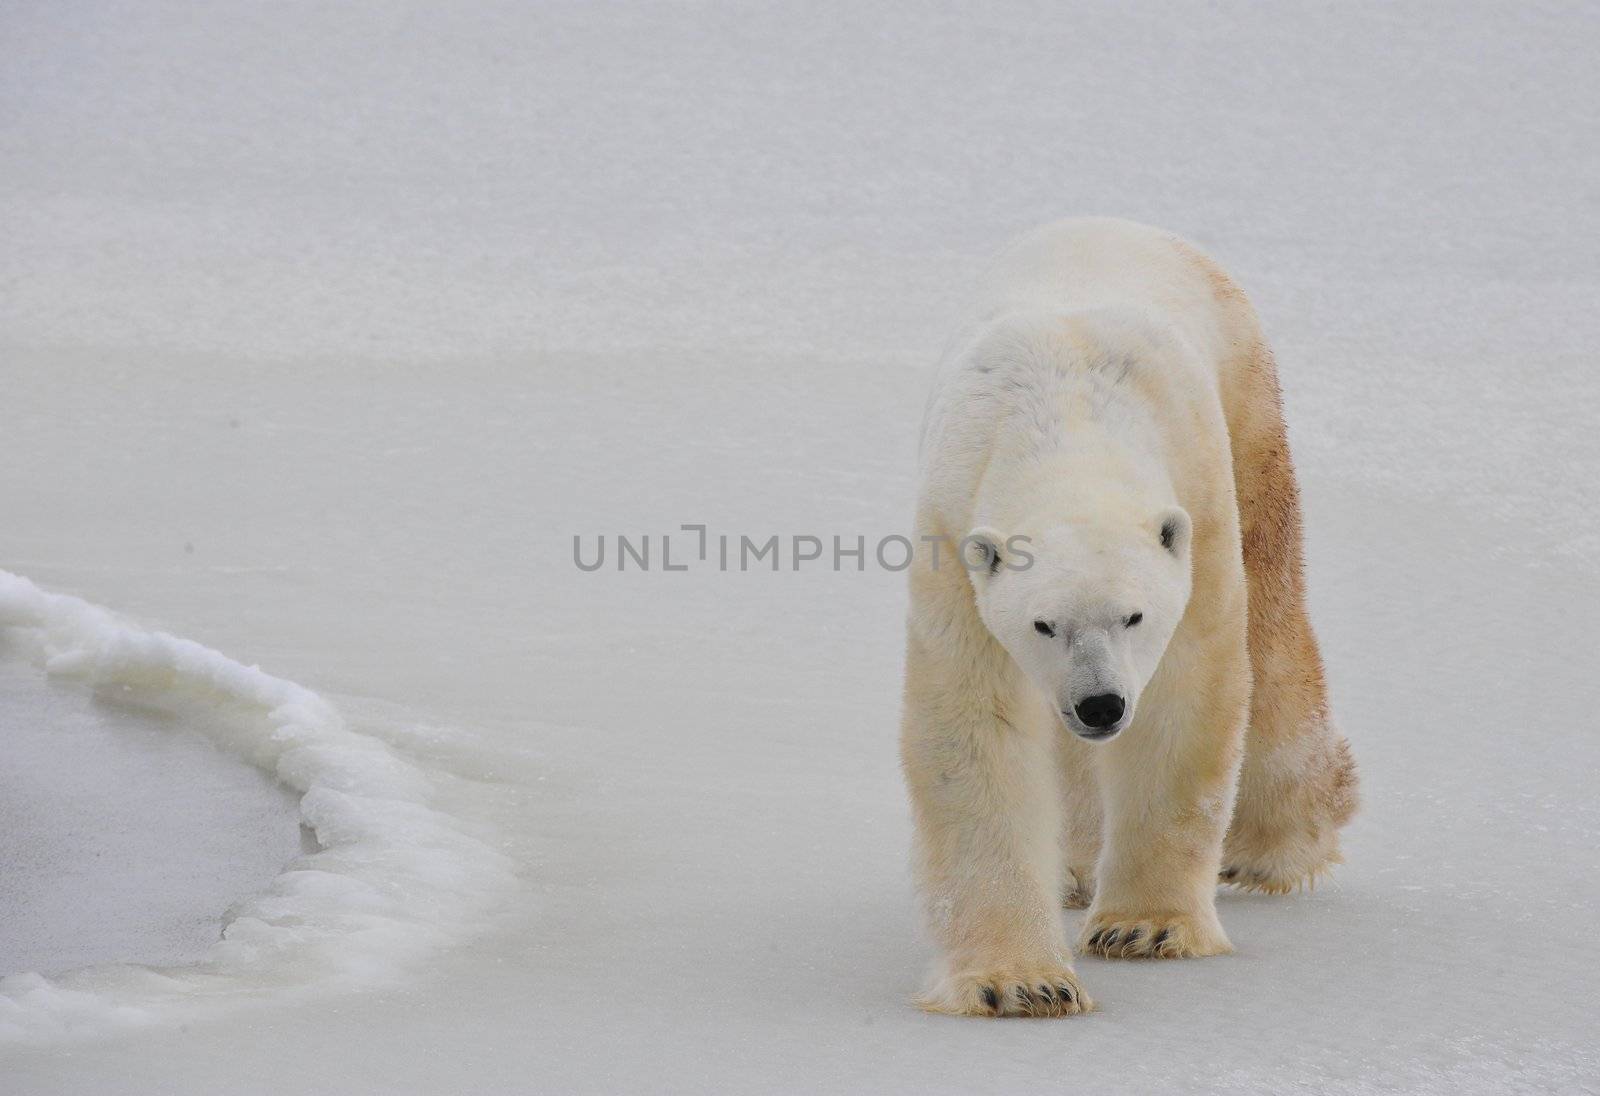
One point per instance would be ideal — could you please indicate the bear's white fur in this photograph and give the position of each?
(1105, 446)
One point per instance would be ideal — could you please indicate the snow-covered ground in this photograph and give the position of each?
(325, 329)
(109, 853)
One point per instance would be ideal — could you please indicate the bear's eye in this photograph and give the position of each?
(1044, 627)
(1130, 621)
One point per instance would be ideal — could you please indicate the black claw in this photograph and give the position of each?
(1230, 874)
(1133, 937)
(1094, 941)
(989, 998)
(1111, 937)
(1066, 993)
(1166, 934)
(1047, 993)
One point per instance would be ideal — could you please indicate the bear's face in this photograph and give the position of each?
(1086, 610)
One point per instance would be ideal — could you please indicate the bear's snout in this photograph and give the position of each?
(1100, 712)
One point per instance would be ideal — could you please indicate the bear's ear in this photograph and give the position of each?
(1173, 525)
(981, 552)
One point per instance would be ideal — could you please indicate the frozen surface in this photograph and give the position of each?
(126, 832)
(389, 877)
(326, 328)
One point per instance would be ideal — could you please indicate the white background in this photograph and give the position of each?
(325, 328)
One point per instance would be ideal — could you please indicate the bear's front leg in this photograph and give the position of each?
(1168, 788)
(981, 772)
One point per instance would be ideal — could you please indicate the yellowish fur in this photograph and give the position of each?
(1298, 784)
(1016, 817)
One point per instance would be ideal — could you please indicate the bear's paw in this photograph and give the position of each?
(1283, 868)
(1158, 936)
(1078, 894)
(1040, 990)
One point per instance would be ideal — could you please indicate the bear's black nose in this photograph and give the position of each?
(1100, 711)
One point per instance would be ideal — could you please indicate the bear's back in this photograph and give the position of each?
(1089, 263)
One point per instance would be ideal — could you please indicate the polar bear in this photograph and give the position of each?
(1113, 696)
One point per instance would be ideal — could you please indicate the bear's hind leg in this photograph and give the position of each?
(1297, 785)
(1296, 789)
(1081, 821)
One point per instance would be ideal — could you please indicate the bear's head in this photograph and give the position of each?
(1086, 609)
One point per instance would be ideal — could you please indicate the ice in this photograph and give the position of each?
(392, 877)
(326, 328)
(126, 834)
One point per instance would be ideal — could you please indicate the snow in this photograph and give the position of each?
(327, 327)
(391, 876)
(133, 862)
